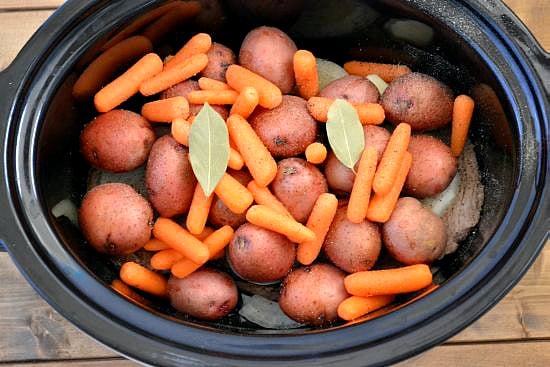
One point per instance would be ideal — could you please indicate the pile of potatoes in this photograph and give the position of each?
(116, 220)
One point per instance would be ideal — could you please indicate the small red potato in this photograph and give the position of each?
(219, 214)
(219, 59)
(352, 88)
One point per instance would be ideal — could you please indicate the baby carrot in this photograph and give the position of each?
(463, 110)
(319, 222)
(166, 110)
(106, 65)
(263, 196)
(265, 217)
(180, 72)
(356, 306)
(180, 130)
(212, 84)
(305, 71)
(361, 190)
(235, 159)
(389, 281)
(163, 260)
(257, 158)
(369, 113)
(179, 239)
(391, 159)
(172, 19)
(381, 206)
(126, 85)
(212, 96)
(216, 242)
(388, 72)
(155, 245)
(198, 211)
(234, 195)
(143, 279)
(316, 153)
(239, 78)
(246, 102)
(198, 44)
(123, 289)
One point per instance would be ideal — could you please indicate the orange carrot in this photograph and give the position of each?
(361, 190)
(316, 153)
(391, 159)
(381, 206)
(389, 281)
(212, 84)
(239, 78)
(369, 113)
(257, 158)
(198, 211)
(207, 231)
(180, 130)
(265, 217)
(319, 222)
(143, 279)
(172, 19)
(180, 72)
(179, 239)
(263, 196)
(388, 72)
(234, 195)
(163, 260)
(191, 119)
(235, 159)
(166, 110)
(126, 85)
(212, 96)
(123, 289)
(216, 242)
(305, 71)
(463, 110)
(108, 63)
(155, 245)
(356, 306)
(198, 44)
(246, 102)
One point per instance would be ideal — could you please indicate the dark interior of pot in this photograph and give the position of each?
(332, 29)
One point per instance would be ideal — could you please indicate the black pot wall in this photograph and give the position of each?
(476, 43)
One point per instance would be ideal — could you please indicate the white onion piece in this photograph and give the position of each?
(412, 31)
(378, 82)
(441, 202)
(66, 208)
(328, 71)
(265, 313)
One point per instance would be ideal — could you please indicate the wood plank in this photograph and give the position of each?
(535, 14)
(17, 28)
(31, 329)
(111, 362)
(29, 4)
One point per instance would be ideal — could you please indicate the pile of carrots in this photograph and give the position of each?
(375, 192)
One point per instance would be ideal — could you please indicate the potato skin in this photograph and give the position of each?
(352, 247)
(169, 177)
(339, 177)
(206, 294)
(433, 167)
(220, 215)
(260, 255)
(115, 219)
(352, 88)
(268, 51)
(311, 295)
(297, 185)
(414, 234)
(183, 88)
(419, 100)
(117, 141)
(287, 129)
(219, 59)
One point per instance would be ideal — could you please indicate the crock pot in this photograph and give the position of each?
(476, 43)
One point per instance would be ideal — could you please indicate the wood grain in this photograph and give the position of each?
(30, 4)
(535, 14)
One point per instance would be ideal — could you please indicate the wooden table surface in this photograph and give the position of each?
(516, 332)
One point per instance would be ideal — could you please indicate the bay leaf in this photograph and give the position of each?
(208, 148)
(345, 133)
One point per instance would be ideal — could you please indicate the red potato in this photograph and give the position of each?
(352, 88)
(219, 59)
(169, 177)
(115, 219)
(220, 215)
(117, 141)
(183, 88)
